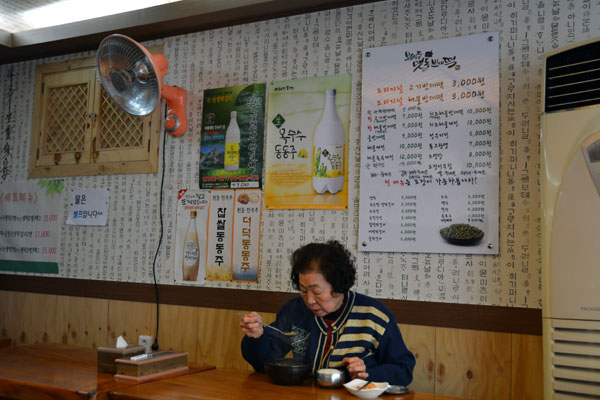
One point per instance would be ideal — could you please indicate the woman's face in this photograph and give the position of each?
(318, 295)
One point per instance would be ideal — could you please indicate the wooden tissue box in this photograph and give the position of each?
(160, 364)
(108, 354)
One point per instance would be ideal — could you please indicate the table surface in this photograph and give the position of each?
(56, 371)
(218, 384)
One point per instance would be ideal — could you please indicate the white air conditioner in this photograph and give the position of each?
(570, 201)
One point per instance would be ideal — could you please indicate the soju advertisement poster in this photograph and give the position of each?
(233, 124)
(307, 143)
(234, 235)
(190, 239)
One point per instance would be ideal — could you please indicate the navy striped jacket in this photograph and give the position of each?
(365, 328)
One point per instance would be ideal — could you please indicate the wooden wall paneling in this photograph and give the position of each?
(220, 336)
(45, 319)
(130, 319)
(421, 341)
(178, 329)
(526, 321)
(11, 316)
(473, 364)
(526, 368)
(88, 322)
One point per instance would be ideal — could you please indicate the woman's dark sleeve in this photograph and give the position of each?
(267, 347)
(256, 351)
(394, 362)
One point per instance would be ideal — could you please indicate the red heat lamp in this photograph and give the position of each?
(132, 77)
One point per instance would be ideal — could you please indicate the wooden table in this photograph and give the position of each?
(219, 384)
(55, 371)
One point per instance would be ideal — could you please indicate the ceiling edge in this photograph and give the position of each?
(156, 23)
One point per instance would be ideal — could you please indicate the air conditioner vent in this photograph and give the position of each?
(573, 78)
(576, 359)
(571, 396)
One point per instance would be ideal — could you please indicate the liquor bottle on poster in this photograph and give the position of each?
(232, 144)
(329, 145)
(191, 251)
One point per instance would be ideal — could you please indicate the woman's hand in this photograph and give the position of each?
(356, 367)
(251, 325)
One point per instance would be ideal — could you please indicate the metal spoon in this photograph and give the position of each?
(272, 327)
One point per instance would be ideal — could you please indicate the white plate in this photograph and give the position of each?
(353, 386)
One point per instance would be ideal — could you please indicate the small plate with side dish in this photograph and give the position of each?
(373, 389)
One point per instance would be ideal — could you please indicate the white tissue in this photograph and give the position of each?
(121, 343)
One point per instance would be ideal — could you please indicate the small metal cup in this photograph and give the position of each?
(330, 377)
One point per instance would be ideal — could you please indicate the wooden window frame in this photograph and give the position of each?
(90, 160)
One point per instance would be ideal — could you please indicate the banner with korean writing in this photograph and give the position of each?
(246, 235)
(430, 147)
(220, 231)
(190, 239)
(233, 124)
(88, 206)
(30, 216)
(307, 143)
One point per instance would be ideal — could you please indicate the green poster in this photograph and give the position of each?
(233, 124)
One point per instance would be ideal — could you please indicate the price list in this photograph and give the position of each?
(429, 147)
(29, 225)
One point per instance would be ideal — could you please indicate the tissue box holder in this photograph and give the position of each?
(108, 354)
(161, 364)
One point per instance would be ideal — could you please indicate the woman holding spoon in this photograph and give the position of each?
(332, 326)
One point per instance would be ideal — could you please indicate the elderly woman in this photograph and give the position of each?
(332, 326)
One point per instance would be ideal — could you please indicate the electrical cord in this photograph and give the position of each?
(160, 206)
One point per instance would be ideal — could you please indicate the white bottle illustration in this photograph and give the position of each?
(329, 145)
(191, 251)
(232, 144)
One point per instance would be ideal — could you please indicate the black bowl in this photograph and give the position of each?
(461, 242)
(287, 371)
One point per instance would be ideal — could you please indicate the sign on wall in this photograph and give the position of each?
(232, 252)
(429, 147)
(307, 143)
(30, 220)
(218, 235)
(190, 252)
(233, 121)
(88, 206)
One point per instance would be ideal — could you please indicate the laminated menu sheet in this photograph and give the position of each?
(429, 147)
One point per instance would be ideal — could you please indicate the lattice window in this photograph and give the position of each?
(118, 129)
(79, 130)
(67, 118)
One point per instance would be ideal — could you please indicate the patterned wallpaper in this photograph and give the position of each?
(320, 44)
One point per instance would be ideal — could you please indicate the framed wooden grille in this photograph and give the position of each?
(79, 130)
(118, 130)
(67, 118)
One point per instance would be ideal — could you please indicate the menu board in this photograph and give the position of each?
(30, 218)
(429, 147)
